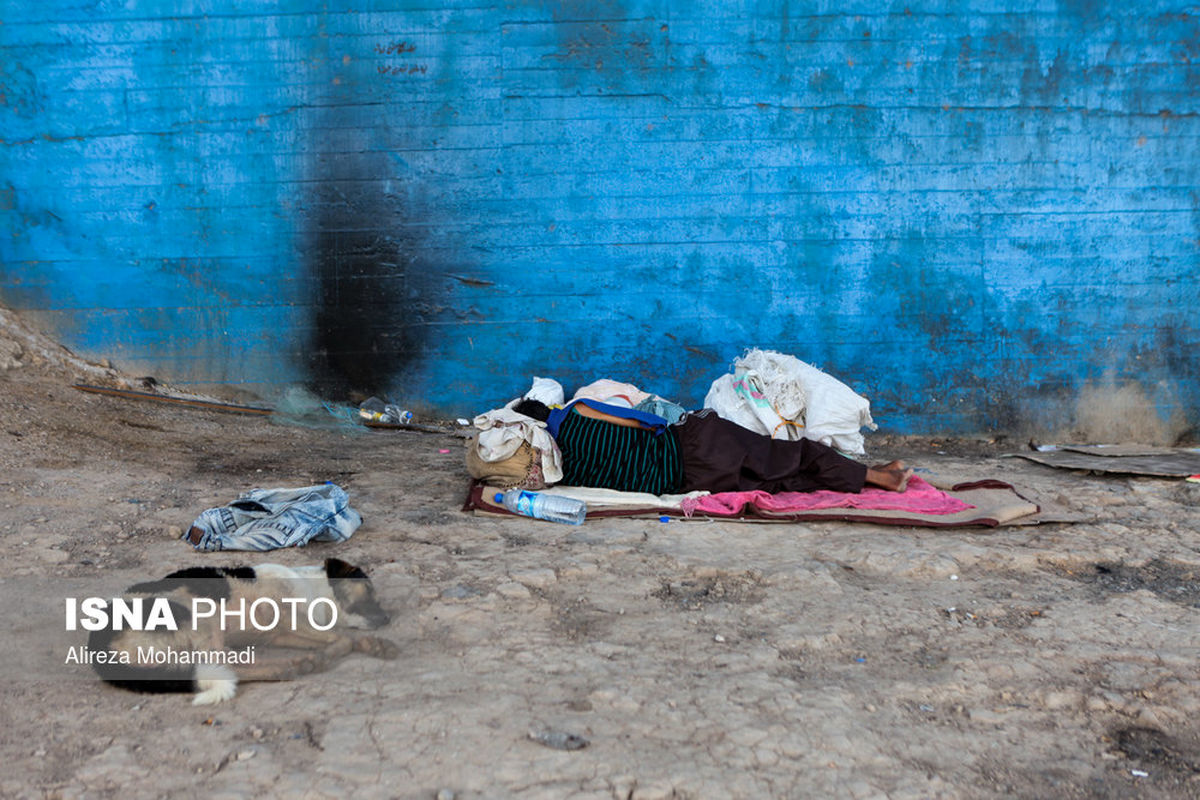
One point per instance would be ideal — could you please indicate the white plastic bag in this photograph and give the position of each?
(547, 390)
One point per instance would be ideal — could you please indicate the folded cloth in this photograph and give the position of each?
(919, 498)
(266, 519)
(502, 431)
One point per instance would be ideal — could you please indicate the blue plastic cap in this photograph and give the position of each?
(499, 497)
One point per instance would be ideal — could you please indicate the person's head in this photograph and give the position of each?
(533, 408)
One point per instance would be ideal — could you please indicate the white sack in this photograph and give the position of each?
(767, 386)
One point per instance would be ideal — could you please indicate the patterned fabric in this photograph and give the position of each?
(521, 470)
(611, 456)
(266, 519)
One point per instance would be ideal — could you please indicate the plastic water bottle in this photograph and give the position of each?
(543, 506)
(396, 415)
(371, 409)
(375, 410)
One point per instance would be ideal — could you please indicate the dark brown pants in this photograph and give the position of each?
(722, 456)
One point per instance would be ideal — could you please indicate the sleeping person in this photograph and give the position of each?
(619, 448)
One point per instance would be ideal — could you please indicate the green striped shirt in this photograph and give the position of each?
(611, 456)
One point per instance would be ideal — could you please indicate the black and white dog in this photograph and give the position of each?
(204, 629)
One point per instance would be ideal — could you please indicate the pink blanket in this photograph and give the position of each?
(919, 497)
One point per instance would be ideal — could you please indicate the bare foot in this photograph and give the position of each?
(892, 476)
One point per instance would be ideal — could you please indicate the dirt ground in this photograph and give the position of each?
(620, 659)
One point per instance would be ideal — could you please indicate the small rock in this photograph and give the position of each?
(445, 794)
(513, 591)
(247, 754)
(1147, 718)
(11, 355)
(653, 791)
(719, 639)
(536, 578)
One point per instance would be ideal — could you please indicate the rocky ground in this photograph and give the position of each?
(620, 659)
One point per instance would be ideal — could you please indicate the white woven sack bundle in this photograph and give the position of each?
(810, 402)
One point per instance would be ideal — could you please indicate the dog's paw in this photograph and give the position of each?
(377, 646)
(214, 684)
(309, 663)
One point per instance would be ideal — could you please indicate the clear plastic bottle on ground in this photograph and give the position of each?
(371, 409)
(375, 410)
(543, 506)
(396, 415)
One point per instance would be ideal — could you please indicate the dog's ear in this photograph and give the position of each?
(336, 568)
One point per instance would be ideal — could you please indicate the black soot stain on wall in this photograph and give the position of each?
(372, 303)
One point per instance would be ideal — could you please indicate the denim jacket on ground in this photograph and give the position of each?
(266, 519)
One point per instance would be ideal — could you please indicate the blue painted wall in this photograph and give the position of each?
(975, 213)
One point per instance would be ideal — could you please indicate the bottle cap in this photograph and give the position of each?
(499, 497)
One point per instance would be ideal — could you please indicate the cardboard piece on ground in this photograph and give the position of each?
(1119, 450)
(1052, 506)
(1122, 460)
